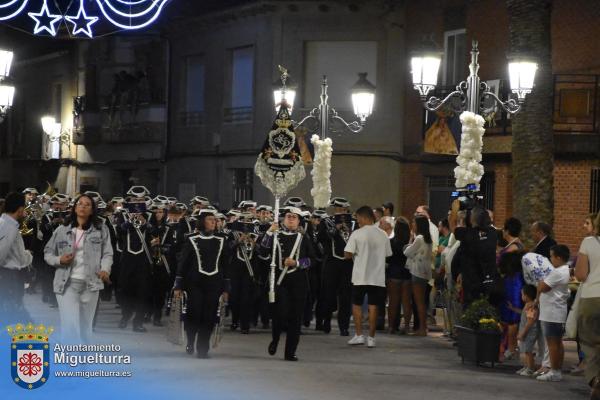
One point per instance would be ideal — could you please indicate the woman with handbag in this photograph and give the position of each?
(587, 271)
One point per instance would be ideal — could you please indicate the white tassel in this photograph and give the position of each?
(321, 172)
(469, 170)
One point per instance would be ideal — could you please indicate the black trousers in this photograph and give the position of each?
(161, 285)
(135, 281)
(47, 280)
(243, 294)
(314, 301)
(203, 301)
(336, 290)
(261, 304)
(290, 298)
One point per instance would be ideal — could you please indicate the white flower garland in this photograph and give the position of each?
(321, 172)
(470, 170)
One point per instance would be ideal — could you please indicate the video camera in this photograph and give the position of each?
(468, 197)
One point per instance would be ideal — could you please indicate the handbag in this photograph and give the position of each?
(571, 324)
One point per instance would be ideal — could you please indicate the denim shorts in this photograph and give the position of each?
(553, 329)
(420, 281)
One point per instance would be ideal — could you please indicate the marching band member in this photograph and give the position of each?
(32, 237)
(243, 270)
(315, 234)
(292, 254)
(261, 309)
(135, 278)
(162, 256)
(202, 273)
(337, 271)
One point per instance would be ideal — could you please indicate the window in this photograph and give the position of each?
(242, 85)
(455, 56)
(341, 62)
(243, 180)
(595, 191)
(194, 87)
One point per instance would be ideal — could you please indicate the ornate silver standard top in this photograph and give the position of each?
(472, 92)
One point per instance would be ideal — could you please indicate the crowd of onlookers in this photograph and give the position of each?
(537, 290)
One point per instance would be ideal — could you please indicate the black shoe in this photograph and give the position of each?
(273, 347)
(53, 304)
(139, 328)
(306, 324)
(291, 358)
(245, 331)
(327, 326)
(123, 324)
(157, 322)
(233, 327)
(344, 332)
(319, 326)
(203, 355)
(189, 349)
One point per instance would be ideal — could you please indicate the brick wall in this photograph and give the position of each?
(571, 198)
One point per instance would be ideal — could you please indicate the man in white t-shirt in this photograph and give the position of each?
(368, 246)
(553, 294)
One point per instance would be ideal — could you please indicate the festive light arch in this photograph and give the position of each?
(123, 14)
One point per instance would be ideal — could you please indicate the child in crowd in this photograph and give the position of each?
(528, 329)
(553, 294)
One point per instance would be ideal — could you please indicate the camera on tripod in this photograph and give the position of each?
(468, 197)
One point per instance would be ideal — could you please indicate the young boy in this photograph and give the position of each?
(528, 330)
(553, 293)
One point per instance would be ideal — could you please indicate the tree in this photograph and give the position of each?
(533, 136)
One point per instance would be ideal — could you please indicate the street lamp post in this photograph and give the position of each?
(363, 98)
(471, 92)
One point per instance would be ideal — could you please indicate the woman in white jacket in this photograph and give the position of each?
(420, 261)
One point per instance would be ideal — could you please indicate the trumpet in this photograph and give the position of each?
(33, 212)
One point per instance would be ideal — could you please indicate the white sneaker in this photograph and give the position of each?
(520, 370)
(370, 342)
(550, 376)
(508, 355)
(527, 372)
(356, 340)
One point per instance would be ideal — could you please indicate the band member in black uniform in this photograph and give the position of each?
(316, 235)
(187, 223)
(292, 255)
(135, 278)
(161, 248)
(50, 221)
(202, 273)
(336, 286)
(263, 261)
(32, 236)
(243, 269)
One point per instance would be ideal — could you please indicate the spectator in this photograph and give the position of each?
(553, 294)
(388, 209)
(511, 231)
(82, 254)
(378, 213)
(527, 329)
(444, 237)
(587, 270)
(419, 255)
(14, 259)
(476, 270)
(540, 233)
(433, 229)
(399, 278)
(512, 276)
(369, 247)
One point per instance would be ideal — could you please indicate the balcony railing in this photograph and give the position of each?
(238, 114)
(191, 118)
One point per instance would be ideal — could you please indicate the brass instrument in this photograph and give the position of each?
(35, 212)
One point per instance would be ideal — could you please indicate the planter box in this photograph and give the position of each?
(479, 347)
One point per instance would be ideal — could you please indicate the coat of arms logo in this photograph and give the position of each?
(30, 354)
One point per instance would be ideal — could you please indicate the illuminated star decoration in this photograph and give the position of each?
(81, 22)
(44, 21)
